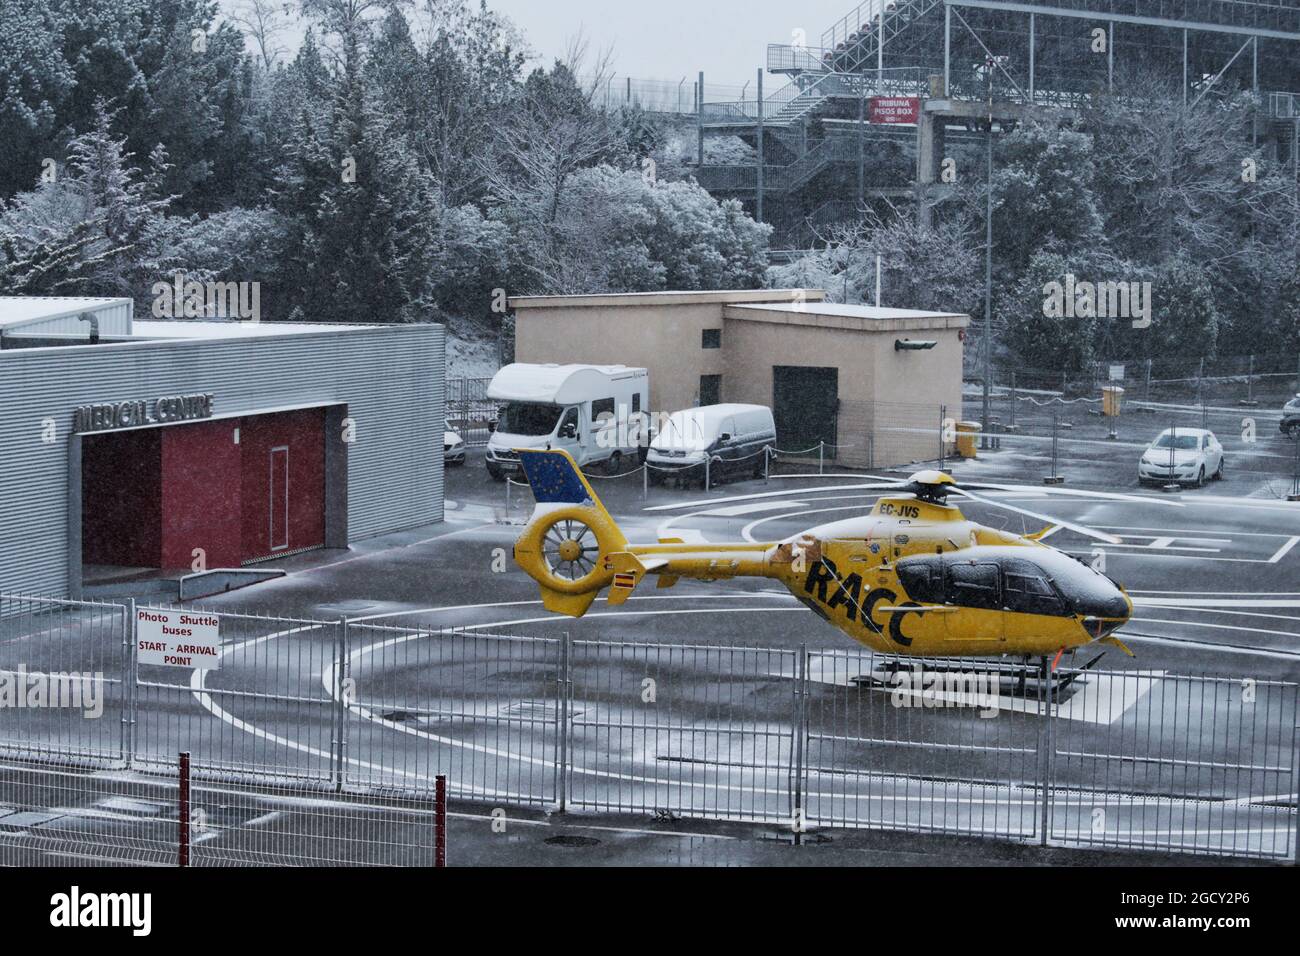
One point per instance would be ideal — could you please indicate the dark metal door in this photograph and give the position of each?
(805, 404)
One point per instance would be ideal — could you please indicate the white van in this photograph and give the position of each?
(594, 412)
(731, 437)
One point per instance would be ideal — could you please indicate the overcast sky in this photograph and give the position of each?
(663, 39)
(669, 39)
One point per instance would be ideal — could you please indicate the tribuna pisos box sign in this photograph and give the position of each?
(178, 638)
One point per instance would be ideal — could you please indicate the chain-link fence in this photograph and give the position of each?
(322, 741)
(1104, 422)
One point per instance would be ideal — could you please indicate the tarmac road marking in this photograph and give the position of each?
(1214, 602)
(1282, 551)
(1210, 645)
(746, 531)
(736, 510)
(1103, 699)
(198, 678)
(1218, 627)
(1145, 553)
(736, 596)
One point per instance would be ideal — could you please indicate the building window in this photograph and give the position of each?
(710, 389)
(712, 339)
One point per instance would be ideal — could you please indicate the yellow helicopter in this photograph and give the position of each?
(914, 577)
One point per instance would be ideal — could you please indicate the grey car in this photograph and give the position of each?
(1290, 424)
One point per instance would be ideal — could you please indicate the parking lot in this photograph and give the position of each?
(1211, 575)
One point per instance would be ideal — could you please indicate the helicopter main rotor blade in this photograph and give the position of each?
(884, 478)
(1076, 492)
(891, 486)
(908, 484)
(1051, 519)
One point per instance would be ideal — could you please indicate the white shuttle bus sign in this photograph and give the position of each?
(178, 638)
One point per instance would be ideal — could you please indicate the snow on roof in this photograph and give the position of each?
(18, 310)
(845, 311)
(697, 427)
(185, 329)
(551, 383)
(712, 413)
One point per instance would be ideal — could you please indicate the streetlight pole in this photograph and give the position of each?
(987, 344)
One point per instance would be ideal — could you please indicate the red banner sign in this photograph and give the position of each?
(895, 109)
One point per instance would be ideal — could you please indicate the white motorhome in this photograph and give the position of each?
(594, 412)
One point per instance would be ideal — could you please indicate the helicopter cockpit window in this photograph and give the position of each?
(973, 585)
(1027, 591)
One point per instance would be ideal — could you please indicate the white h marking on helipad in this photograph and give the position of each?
(1096, 698)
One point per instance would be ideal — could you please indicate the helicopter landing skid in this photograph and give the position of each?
(1025, 681)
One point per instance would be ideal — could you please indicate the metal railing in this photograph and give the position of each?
(799, 98)
(314, 740)
(470, 413)
(790, 57)
(1285, 106)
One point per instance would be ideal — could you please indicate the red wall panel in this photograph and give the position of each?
(283, 482)
(201, 494)
(150, 497)
(121, 500)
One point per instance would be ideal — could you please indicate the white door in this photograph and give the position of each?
(568, 435)
(279, 510)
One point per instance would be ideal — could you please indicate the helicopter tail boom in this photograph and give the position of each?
(574, 549)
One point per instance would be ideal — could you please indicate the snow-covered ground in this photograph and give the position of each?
(471, 357)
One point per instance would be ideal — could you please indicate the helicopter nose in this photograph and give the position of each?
(1107, 612)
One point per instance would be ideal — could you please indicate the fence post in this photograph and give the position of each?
(130, 685)
(708, 465)
(339, 744)
(767, 463)
(1047, 740)
(943, 418)
(645, 481)
(800, 732)
(1054, 478)
(183, 815)
(821, 456)
(440, 821)
(1012, 411)
(563, 721)
(1295, 480)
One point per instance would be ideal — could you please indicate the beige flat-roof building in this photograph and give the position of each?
(872, 384)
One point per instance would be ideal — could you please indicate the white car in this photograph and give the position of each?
(1187, 456)
(453, 448)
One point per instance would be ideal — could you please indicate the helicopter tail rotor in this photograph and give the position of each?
(571, 546)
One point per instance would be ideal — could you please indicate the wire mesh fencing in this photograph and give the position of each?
(172, 816)
(690, 730)
(322, 741)
(62, 678)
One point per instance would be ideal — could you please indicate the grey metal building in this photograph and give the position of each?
(200, 444)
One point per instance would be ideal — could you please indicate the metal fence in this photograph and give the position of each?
(314, 740)
(53, 815)
(470, 412)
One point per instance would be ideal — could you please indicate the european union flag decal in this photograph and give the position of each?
(553, 477)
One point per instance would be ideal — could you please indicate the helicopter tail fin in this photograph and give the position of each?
(570, 544)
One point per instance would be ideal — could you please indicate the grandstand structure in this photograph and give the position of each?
(818, 159)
